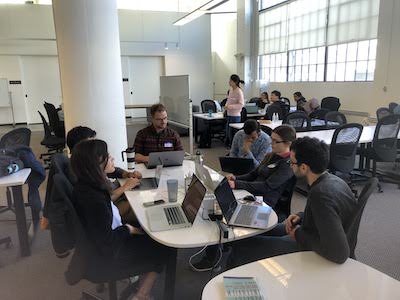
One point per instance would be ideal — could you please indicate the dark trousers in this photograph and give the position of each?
(228, 129)
(34, 181)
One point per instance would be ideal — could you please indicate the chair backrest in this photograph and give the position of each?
(319, 114)
(382, 112)
(392, 106)
(343, 147)
(243, 115)
(18, 136)
(208, 105)
(47, 129)
(333, 119)
(285, 100)
(330, 103)
(299, 121)
(352, 227)
(272, 109)
(54, 121)
(283, 205)
(385, 138)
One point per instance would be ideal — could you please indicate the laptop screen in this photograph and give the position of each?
(226, 199)
(193, 198)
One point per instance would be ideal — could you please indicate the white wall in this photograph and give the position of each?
(29, 30)
(223, 47)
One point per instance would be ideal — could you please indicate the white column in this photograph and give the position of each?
(90, 67)
(247, 47)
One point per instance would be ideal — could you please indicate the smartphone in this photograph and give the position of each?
(152, 203)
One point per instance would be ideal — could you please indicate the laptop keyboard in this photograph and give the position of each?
(174, 216)
(246, 214)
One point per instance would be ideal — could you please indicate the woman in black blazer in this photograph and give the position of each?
(270, 178)
(116, 243)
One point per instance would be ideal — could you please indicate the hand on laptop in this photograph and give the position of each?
(131, 183)
(134, 174)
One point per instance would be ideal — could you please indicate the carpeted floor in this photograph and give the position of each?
(41, 276)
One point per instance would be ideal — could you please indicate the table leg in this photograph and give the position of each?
(170, 274)
(21, 220)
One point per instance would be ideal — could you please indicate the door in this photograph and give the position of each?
(41, 82)
(144, 77)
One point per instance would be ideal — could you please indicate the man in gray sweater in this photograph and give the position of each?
(330, 205)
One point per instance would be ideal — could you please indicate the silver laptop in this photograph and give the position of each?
(173, 216)
(238, 214)
(204, 175)
(150, 183)
(167, 159)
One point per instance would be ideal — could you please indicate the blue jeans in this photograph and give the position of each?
(228, 129)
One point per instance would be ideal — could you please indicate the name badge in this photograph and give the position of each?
(168, 145)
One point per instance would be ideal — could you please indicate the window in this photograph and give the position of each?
(322, 40)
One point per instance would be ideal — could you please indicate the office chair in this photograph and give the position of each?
(208, 105)
(256, 100)
(271, 110)
(53, 143)
(56, 125)
(283, 206)
(330, 103)
(299, 121)
(392, 106)
(382, 112)
(18, 136)
(319, 114)
(333, 119)
(285, 100)
(343, 150)
(85, 264)
(352, 227)
(384, 146)
(216, 129)
(243, 115)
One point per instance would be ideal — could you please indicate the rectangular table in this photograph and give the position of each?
(15, 182)
(308, 276)
(203, 232)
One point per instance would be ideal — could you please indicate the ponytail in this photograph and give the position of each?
(236, 79)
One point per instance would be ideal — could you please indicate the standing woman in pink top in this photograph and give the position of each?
(234, 104)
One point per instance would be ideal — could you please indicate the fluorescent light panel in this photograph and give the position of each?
(199, 12)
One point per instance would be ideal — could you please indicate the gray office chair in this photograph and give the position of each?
(299, 121)
(334, 119)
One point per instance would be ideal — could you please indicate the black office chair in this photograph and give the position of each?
(53, 143)
(285, 100)
(384, 146)
(352, 227)
(319, 114)
(330, 103)
(392, 106)
(18, 136)
(334, 119)
(256, 100)
(208, 105)
(283, 206)
(271, 110)
(215, 130)
(85, 264)
(56, 125)
(243, 115)
(299, 121)
(382, 112)
(343, 150)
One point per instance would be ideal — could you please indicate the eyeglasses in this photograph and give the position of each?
(277, 142)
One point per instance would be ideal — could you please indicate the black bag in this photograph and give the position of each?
(9, 162)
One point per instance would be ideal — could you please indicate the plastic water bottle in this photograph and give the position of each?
(199, 157)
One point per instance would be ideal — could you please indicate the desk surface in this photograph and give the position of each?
(202, 232)
(17, 178)
(308, 276)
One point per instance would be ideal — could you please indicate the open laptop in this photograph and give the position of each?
(167, 159)
(236, 165)
(150, 183)
(251, 108)
(173, 216)
(204, 175)
(238, 214)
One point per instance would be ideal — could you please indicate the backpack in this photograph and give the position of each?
(9, 162)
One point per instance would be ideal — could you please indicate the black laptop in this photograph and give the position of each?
(236, 165)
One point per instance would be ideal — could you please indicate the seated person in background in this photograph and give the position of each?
(115, 244)
(81, 133)
(300, 100)
(311, 105)
(264, 100)
(270, 178)
(251, 142)
(275, 106)
(157, 137)
(330, 204)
